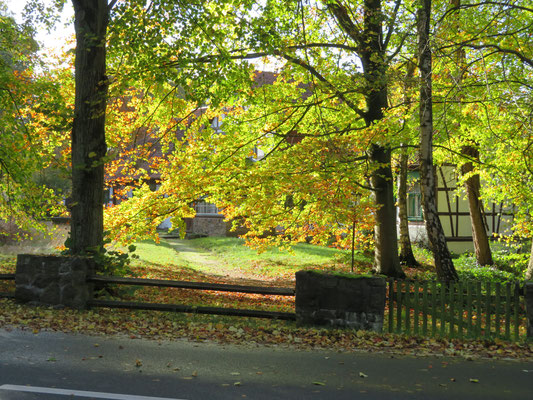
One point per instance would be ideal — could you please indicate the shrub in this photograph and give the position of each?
(508, 267)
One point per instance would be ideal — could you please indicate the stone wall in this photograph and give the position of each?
(206, 225)
(53, 280)
(355, 302)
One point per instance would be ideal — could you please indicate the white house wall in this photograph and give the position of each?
(454, 214)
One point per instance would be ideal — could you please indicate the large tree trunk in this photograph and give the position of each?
(372, 53)
(479, 231)
(88, 132)
(437, 241)
(386, 259)
(406, 250)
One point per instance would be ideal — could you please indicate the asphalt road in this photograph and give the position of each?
(60, 366)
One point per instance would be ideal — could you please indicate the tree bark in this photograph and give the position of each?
(406, 250)
(479, 232)
(88, 132)
(437, 241)
(386, 260)
(371, 50)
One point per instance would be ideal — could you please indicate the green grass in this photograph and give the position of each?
(219, 254)
(159, 254)
(272, 261)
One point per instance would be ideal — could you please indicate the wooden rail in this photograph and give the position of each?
(193, 309)
(7, 277)
(193, 285)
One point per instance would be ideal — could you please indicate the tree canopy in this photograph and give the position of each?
(301, 153)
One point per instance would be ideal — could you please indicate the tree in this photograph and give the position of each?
(88, 132)
(487, 101)
(23, 201)
(406, 251)
(443, 261)
(470, 151)
(269, 31)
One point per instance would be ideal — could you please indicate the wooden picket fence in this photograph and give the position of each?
(469, 309)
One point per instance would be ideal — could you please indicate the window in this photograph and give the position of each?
(414, 197)
(203, 207)
(414, 206)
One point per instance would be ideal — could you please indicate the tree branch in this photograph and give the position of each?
(392, 24)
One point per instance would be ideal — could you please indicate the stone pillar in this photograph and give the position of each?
(325, 299)
(53, 280)
(528, 300)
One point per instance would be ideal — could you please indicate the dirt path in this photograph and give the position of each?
(210, 264)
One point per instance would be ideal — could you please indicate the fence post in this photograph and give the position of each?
(528, 300)
(345, 301)
(53, 280)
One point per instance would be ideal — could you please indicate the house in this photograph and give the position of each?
(453, 211)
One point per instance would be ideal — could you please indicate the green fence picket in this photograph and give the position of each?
(487, 309)
(508, 311)
(516, 311)
(442, 310)
(451, 311)
(469, 290)
(399, 304)
(391, 305)
(416, 291)
(407, 302)
(479, 301)
(497, 301)
(460, 310)
(463, 309)
(433, 308)
(425, 308)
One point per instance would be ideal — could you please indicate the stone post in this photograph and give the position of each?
(325, 299)
(53, 280)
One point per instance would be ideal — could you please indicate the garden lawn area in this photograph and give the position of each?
(224, 256)
(227, 260)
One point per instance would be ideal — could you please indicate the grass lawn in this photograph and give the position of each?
(229, 256)
(228, 260)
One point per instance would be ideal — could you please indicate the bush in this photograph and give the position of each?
(514, 263)
(480, 273)
(508, 266)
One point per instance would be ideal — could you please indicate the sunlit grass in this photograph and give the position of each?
(274, 262)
